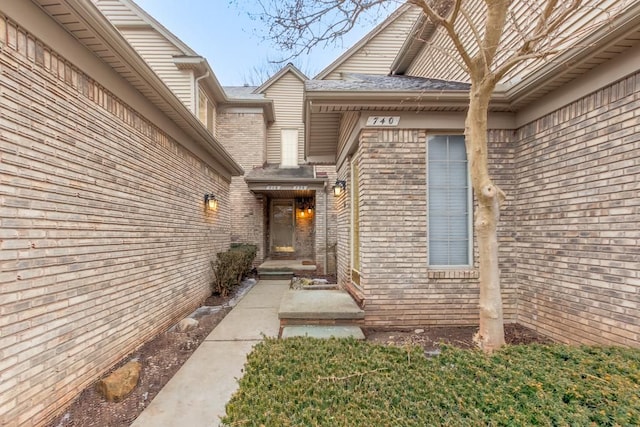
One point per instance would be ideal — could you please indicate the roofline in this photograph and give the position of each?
(266, 105)
(363, 41)
(161, 28)
(284, 70)
(249, 180)
(201, 65)
(365, 99)
(103, 28)
(618, 28)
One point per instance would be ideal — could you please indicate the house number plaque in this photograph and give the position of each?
(388, 121)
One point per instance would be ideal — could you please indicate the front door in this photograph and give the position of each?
(282, 225)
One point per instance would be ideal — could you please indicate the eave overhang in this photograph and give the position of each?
(81, 17)
(201, 67)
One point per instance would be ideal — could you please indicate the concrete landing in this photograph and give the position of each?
(323, 332)
(319, 305)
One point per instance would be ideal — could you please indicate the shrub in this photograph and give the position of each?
(311, 382)
(230, 266)
(249, 251)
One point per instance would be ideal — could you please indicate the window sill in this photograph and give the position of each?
(453, 274)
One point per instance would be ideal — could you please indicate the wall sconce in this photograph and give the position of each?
(339, 187)
(210, 202)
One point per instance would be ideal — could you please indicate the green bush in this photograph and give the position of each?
(310, 382)
(249, 252)
(230, 266)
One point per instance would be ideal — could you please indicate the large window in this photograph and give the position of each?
(449, 202)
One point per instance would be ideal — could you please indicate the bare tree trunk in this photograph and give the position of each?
(491, 333)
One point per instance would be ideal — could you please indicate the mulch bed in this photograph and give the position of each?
(160, 358)
(167, 352)
(430, 338)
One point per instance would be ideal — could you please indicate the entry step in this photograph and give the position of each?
(318, 305)
(323, 332)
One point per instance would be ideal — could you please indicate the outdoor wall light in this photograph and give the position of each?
(339, 187)
(210, 202)
(305, 206)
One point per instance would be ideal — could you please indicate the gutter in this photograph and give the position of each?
(607, 34)
(94, 20)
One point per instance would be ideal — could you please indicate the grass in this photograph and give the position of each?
(308, 382)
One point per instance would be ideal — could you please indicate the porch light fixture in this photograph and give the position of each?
(305, 206)
(339, 187)
(211, 202)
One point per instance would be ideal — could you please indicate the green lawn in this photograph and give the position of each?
(308, 382)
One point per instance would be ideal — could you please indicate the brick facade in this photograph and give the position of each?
(578, 210)
(398, 287)
(326, 239)
(568, 231)
(105, 241)
(243, 134)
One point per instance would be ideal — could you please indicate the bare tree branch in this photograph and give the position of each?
(297, 26)
(549, 21)
(437, 18)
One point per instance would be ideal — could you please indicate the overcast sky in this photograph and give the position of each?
(226, 36)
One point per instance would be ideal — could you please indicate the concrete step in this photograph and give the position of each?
(323, 332)
(304, 307)
(275, 274)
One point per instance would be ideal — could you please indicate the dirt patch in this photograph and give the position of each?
(161, 358)
(430, 338)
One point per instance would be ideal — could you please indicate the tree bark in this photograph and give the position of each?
(490, 336)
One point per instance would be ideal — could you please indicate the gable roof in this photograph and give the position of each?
(125, 14)
(83, 21)
(289, 68)
(362, 43)
(121, 20)
(596, 33)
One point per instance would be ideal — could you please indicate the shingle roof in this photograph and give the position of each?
(368, 82)
(242, 92)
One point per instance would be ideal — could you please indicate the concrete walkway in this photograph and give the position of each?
(197, 394)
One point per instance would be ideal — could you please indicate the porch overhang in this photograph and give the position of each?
(277, 182)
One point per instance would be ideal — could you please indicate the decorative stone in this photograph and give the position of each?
(419, 331)
(120, 382)
(187, 324)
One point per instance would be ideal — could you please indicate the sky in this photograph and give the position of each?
(232, 42)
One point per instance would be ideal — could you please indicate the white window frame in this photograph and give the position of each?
(470, 209)
(289, 153)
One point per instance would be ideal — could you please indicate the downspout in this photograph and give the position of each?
(197, 93)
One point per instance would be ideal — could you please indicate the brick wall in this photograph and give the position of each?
(342, 205)
(243, 135)
(304, 234)
(399, 288)
(104, 238)
(326, 238)
(578, 210)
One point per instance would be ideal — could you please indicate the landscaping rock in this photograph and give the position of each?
(419, 331)
(120, 382)
(187, 324)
